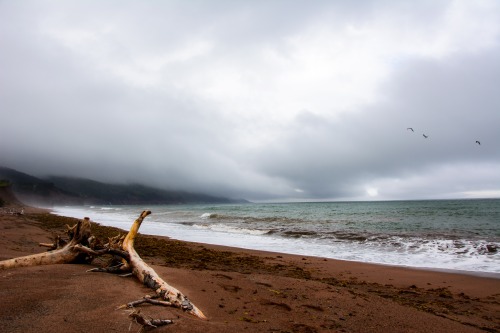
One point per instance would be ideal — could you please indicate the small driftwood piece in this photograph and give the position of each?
(152, 323)
(145, 299)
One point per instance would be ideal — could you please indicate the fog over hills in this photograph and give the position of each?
(56, 190)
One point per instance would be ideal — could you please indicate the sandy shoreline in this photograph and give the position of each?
(239, 290)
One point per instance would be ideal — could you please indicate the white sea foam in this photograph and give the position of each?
(208, 216)
(225, 228)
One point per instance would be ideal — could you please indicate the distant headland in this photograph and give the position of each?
(56, 190)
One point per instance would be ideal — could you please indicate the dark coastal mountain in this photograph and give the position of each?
(77, 191)
(35, 191)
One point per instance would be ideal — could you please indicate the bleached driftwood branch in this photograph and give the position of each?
(150, 278)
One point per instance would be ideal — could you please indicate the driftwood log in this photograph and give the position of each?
(62, 252)
(83, 248)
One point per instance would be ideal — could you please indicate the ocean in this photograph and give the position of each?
(458, 235)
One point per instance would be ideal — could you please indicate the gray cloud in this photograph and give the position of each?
(264, 101)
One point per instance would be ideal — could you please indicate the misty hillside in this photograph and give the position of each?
(129, 194)
(35, 191)
(77, 191)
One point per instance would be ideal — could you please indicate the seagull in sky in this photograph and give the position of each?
(425, 136)
(479, 143)
(409, 128)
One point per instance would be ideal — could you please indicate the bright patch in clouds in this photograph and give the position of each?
(372, 192)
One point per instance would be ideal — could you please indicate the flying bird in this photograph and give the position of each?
(479, 143)
(425, 136)
(409, 128)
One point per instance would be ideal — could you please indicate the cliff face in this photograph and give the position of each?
(7, 197)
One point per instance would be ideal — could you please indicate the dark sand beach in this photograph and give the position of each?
(238, 290)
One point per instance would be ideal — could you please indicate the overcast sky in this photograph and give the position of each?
(263, 100)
